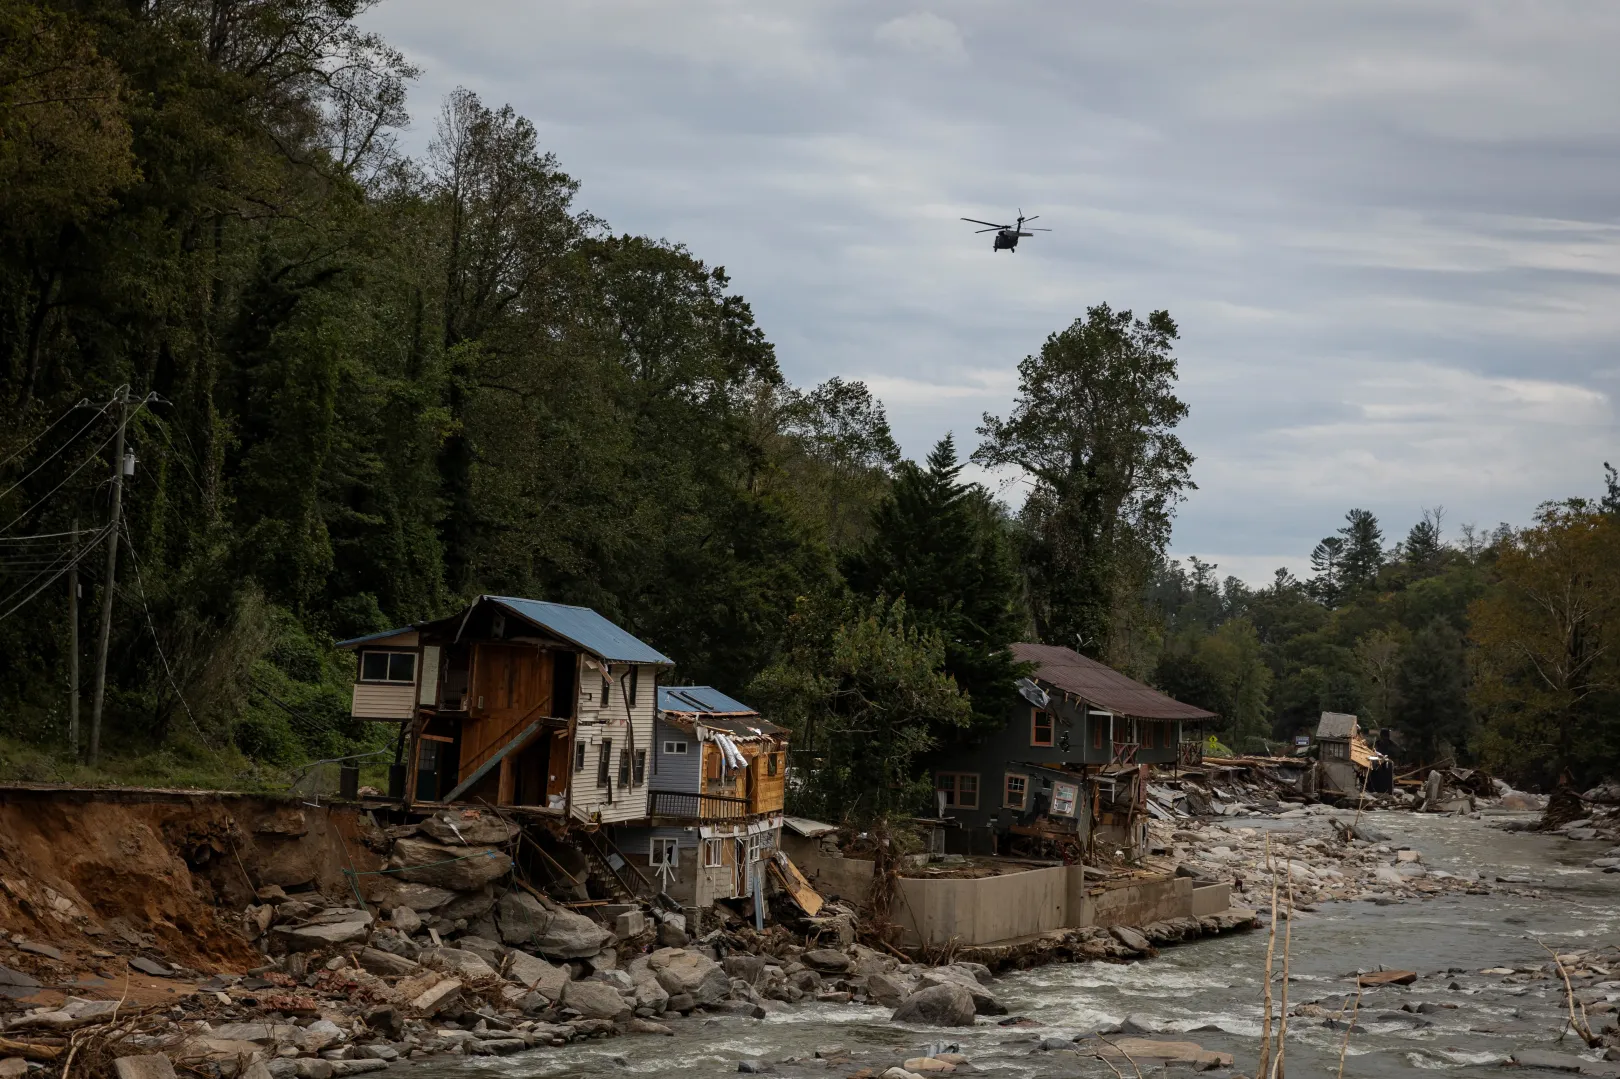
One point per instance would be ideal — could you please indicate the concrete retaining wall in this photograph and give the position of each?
(829, 872)
(1211, 899)
(995, 910)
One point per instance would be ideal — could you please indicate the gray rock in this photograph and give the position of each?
(681, 1002)
(671, 935)
(484, 948)
(468, 906)
(535, 973)
(262, 1033)
(405, 919)
(1129, 937)
(1547, 1060)
(315, 1068)
(632, 923)
(888, 990)
(453, 830)
(282, 1068)
(148, 966)
(304, 938)
(156, 1066)
(460, 869)
(462, 964)
(595, 1000)
(421, 898)
(385, 964)
(946, 1005)
(552, 931)
(747, 1009)
(827, 960)
(984, 1001)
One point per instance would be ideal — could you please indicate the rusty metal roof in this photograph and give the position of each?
(1101, 686)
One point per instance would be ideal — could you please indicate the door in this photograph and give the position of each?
(560, 766)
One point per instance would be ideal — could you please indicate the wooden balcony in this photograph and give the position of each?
(682, 805)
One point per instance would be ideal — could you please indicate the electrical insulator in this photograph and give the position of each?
(129, 464)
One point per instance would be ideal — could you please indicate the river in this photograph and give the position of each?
(1218, 983)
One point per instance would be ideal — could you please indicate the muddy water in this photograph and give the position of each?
(1218, 984)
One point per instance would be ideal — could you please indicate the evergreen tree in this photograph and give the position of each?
(1432, 684)
(1423, 546)
(1610, 503)
(1328, 561)
(1363, 553)
(942, 546)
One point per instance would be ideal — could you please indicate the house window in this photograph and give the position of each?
(641, 766)
(1097, 731)
(604, 759)
(675, 749)
(1040, 728)
(754, 848)
(1064, 796)
(664, 852)
(634, 678)
(624, 767)
(961, 789)
(1147, 735)
(770, 765)
(388, 667)
(712, 852)
(607, 692)
(579, 758)
(1017, 791)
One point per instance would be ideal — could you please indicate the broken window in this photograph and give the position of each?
(579, 758)
(641, 766)
(961, 789)
(607, 693)
(1017, 791)
(603, 760)
(1040, 728)
(664, 852)
(713, 851)
(624, 767)
(631, 691)
(770, 765)
(1064, 796)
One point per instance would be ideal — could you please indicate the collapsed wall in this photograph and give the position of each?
(165, 874)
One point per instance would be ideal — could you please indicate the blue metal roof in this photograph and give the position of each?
(586, 628)
(352, 641)
(698, 699)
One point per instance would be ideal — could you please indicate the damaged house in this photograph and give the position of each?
(1067, 771)
(542, 707)
(715, 797)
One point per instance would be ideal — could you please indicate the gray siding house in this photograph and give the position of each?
(714, 797)
(1066, 773)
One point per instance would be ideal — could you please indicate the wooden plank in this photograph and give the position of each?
(495, 759)
(808, 899)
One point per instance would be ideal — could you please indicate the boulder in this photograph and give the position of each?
(385, 964)
(456, 830)
(682, 972)
(747, 967)
(594, 1000)
(1129, 937)
(671, 935)
(1547, 1060)
(1154, 1053)
(405, 919)
(552, 931)
(984, 1001)
(322, 1033)
(888, 990)
(421, 898)
(536, 974)
(483, 948)
(17, 1067)
(632, 923)
(1387, 977)
(262, 1033)
(826, 960)
(927, 1065)
(469, 905)
(944, 1005)
(460, 869)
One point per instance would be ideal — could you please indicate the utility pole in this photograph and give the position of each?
(73, 641)
(111, 576)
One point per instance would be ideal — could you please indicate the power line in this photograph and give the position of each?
(88, 549)
(84, 402)
(59, 451)
(87, 461)
(157, 644)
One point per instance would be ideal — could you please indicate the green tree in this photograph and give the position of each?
(942, 546)
(1093, 429)
(864, 692)
(1327, 559)
(1432, 681)
(1363, 553)
(1424, 546)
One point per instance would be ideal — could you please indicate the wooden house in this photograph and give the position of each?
(516, 702)
(1344, 753)
(714, 797)
(1069, 765)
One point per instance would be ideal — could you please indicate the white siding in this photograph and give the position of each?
(629, 803)
(373, 700)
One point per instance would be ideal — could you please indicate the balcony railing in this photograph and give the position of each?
(690, 806)
(1125, 752)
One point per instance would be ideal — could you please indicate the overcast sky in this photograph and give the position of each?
(1389, 231)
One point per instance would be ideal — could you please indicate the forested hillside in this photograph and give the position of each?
(362, 387)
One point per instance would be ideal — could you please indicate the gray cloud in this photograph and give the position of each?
(1390, 230)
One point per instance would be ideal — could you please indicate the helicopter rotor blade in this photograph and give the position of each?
(992, 224)
(1037, 217)
(1040, 230)
(992, 228)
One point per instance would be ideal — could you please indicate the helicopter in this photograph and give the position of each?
(1007, 235)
